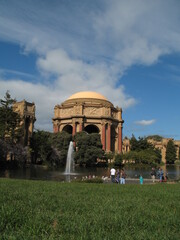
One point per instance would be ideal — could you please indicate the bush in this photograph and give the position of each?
(88, 180)
(118, 159)
(93, 180)
(177, 162)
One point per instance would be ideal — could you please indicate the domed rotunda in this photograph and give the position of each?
(93, 113)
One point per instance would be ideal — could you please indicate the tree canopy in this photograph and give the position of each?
(50, 148)
(170, 152)
(142, 152)
(88, 148)
(10, 128)
(11, 134)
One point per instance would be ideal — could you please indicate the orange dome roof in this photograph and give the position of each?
(87, 94)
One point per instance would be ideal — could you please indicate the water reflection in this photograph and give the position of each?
(42, 173)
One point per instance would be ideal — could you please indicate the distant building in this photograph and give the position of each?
(26, 111)
(161, 145)
(93, 113)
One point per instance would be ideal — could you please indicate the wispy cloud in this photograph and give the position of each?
(120, 32)
(7, 73)
(82, 45)
(145, 122)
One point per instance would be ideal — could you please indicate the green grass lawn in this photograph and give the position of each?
(54, 210)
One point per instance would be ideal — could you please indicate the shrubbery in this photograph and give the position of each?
(88, 148)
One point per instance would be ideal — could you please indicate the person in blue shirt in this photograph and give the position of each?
(141, 179)
(160, 174)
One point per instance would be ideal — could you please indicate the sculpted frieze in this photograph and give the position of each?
(77, 109)
(107, 112)
(66, 112)
(92, 111)
(114, 115)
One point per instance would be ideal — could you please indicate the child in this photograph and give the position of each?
(141, 179)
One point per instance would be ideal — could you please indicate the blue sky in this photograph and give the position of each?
(129, 51)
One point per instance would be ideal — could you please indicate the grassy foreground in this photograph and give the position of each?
(53, 210)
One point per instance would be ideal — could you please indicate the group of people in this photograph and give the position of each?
(160, 173)
(118, 176)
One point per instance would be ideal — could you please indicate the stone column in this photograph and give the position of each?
(120, 139)
(31, 127)
(55, 128)
(80, 125)
(109, 137)
(103, 137)
(74, 129)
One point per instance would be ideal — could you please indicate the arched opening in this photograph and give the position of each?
(68, 129)
(91, 129)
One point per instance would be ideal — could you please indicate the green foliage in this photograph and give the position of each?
(53, 210)
(155, 137)
(41, 146)
(89, 148)
(177, 162)
(11, 132)
(170, 152)
(93, 180)
(109, 156)
(142, 152)
(15, 153)
(50, 148)
(141, 144)
(118, 159)
(60, 143)
(10, 129)
(61, 140)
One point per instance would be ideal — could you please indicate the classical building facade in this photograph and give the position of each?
(93, 113)
(26, 111)
(161, 145)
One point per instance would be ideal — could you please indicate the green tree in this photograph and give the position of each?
(142, 152)
(133, 143)
(88, 148)
(11, 132)
(50, 148)
(108, 156)
(140, 144)
(118, 159)
(170, 152)
(41, 146)
(60, 143)
(155, 137)
(10, 128)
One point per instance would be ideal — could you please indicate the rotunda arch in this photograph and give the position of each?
(68, 129)
(91, 129)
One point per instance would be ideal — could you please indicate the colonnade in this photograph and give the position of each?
(106, 134)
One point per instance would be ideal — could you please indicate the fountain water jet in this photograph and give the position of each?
(70, 160)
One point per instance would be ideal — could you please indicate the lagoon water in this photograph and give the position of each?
(36, 172)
